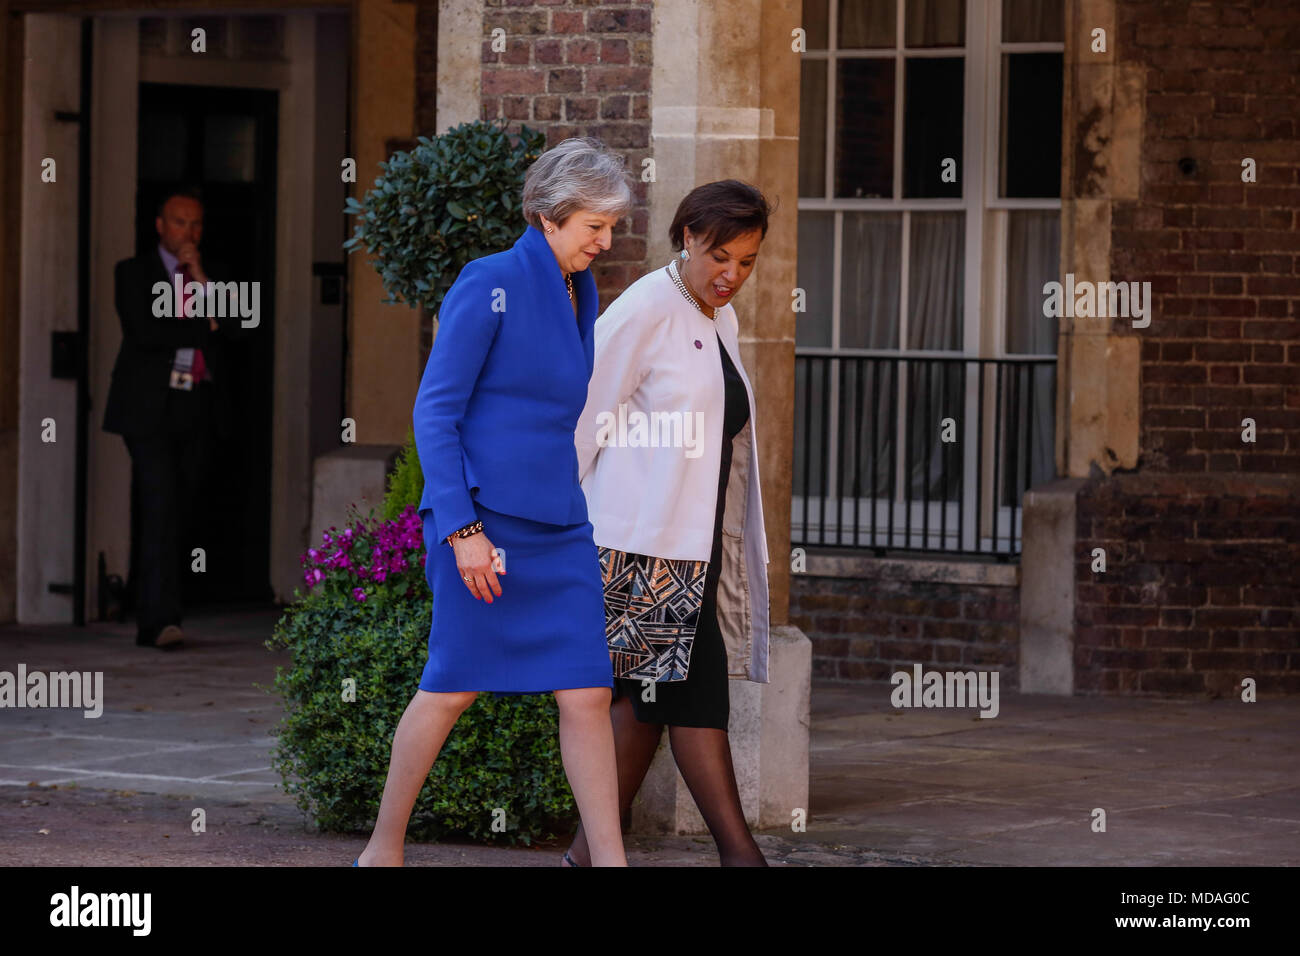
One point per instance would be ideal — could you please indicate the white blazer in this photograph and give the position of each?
(649, 445)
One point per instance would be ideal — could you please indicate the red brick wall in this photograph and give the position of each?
(578, 68)
(1203, 544)
(866, 630)
(1201, 588)
(1223, 256)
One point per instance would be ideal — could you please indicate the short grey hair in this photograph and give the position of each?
(578, 174)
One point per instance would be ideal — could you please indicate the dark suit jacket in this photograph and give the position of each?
(503, 388)
(137, 395)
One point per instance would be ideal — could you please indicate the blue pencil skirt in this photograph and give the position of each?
(547, 629)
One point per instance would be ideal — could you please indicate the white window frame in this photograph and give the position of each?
(984, 254)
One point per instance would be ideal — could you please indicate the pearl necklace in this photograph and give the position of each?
(681, 287)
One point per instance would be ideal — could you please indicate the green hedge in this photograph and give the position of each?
(365, 616)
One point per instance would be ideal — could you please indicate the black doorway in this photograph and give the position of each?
(224, 140)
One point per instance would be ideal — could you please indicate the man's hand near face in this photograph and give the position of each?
(188, 253)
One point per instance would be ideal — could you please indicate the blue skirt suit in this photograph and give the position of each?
(494, 420)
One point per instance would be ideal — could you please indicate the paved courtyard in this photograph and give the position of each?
(1182, 782)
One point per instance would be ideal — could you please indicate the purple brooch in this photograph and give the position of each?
(699, 344)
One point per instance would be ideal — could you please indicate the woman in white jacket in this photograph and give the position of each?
(668, 461)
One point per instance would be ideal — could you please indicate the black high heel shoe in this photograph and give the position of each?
(570, 860)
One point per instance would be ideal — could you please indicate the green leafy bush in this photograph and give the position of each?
(406, 482)
(363, 621)
(452, 198)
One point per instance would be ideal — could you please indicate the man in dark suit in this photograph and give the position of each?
(167, 399)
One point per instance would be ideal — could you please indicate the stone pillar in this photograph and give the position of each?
(11, 163)
(725, 105)
(1048, 567)
(383, 341)
(383, 361)
(1097, 358)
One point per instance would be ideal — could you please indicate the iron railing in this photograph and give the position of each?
(918, 453)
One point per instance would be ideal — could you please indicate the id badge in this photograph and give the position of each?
(182, 378)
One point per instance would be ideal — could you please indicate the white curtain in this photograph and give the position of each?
(934, 22)
(870, 292)
(866, 23)
(1032, 21)
(1033, 258)
(870, 268)
(936, 291)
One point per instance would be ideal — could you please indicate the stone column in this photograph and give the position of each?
(725, 105)
(383, 341)
(1098, 360)
(383, 370)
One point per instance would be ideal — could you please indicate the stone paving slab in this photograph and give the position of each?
(1184, 782)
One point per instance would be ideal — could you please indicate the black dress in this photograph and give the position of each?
(702, 699)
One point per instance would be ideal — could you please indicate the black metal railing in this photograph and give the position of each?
(919, 453)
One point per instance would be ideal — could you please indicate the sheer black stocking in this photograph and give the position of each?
(703, 756)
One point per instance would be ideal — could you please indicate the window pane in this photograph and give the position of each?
(936, 280)
(933, 90)
(816, 24)
(1033, 259)
(812, 129)
(864, 129)
(935, 23)
(867, 23)
(869, 280)
(816, 269)
(1033, 21)
(1032, 92)
(166, 163)
(229, 149)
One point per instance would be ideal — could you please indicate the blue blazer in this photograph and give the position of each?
(503, 389)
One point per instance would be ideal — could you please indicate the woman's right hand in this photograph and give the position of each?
(475, 562)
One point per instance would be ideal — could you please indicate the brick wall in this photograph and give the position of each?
(1223, 256)
(1202, 554)
(1201, 587)
(579, 69)
(865, 630)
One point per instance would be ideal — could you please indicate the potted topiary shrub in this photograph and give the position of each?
(357, 636)
(451, 199)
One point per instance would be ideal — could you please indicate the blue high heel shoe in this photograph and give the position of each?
(354, 862)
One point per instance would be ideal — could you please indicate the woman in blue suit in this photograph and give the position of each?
(517, 599)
